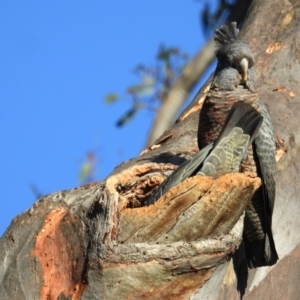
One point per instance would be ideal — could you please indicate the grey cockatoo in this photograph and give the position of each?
(235, 80)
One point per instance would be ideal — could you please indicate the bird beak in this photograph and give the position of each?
(244, 69)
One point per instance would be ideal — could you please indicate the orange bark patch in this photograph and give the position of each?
(292, 93)
(192, 110)
(273, 47)
(173, 217)
(146, 223)
(280, 89)
(158, 143)
(280, 149)
(136, 183)
(62, 265)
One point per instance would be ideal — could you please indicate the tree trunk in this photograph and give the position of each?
(99, 242)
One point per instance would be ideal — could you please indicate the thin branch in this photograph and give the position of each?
(180, 91)
(189, 78)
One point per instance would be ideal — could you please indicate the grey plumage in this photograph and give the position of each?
(235, 80)
(235, 60)
(224, 155)
(260, 246)
(241, 126)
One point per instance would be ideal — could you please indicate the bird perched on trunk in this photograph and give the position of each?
(235, 80)
(222, 156)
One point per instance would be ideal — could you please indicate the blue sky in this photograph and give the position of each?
(59, 59)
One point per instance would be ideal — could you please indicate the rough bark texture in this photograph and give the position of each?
(97, 242)
(86, 244)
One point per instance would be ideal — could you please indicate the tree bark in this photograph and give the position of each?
(99, 242)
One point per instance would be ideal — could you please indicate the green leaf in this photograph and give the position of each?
(111, 98)
(85, 171)
(148, 80)
(127, 116)
(163, 54)
(141, 90)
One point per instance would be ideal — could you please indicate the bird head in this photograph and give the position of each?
(232, 51)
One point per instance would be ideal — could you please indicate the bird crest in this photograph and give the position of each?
(226, 34)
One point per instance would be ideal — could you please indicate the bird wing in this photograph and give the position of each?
(241, 126)
(223, 156)
(180, 174)
(265, 148)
